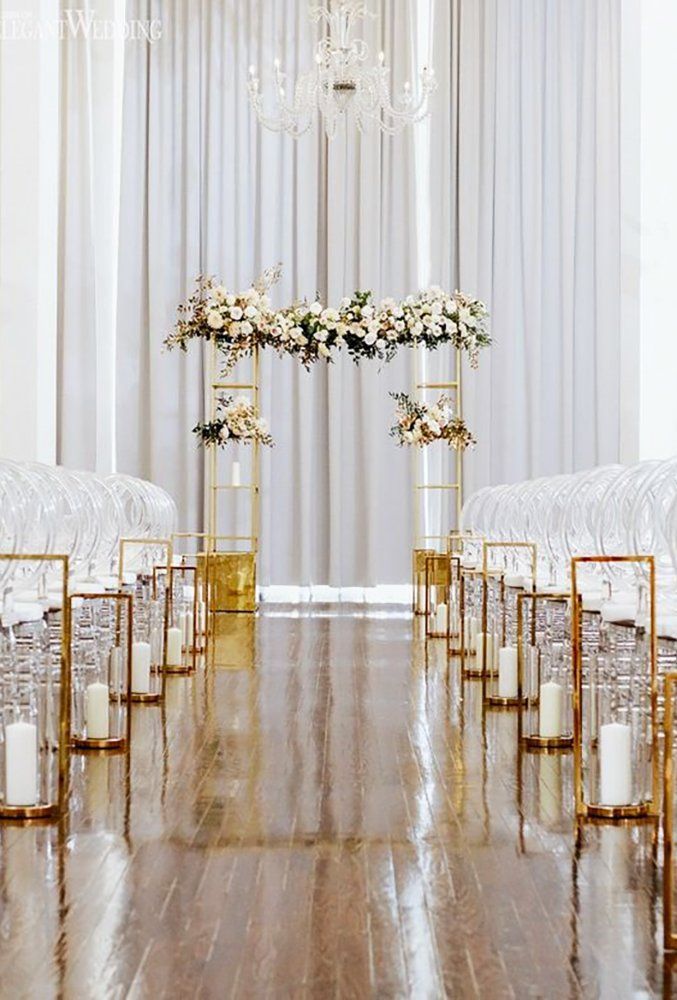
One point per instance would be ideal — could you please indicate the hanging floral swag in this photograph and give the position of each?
(240, 322)
(237, 421)
(421, 424)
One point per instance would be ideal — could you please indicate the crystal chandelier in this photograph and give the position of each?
(341, 82)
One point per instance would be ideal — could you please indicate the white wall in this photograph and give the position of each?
(658, 277)
(29, 158)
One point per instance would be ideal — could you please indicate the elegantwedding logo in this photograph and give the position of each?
(76, 22)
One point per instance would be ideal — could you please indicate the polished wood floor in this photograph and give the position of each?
(326, 812)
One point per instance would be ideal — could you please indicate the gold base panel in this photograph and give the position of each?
(548, 744)
(113, 745)
(494, 701)
(618, 814)
(29, 814)
(146, 698)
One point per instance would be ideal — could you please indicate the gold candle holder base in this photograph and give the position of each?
(548, 744)
(29, 814)
(145, 698)
(618, 814)
(178, 669)
(476, 674)
(115, 744)
(496, 702)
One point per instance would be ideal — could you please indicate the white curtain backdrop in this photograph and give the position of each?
(511, 192)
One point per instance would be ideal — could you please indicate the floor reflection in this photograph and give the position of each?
(325, 809)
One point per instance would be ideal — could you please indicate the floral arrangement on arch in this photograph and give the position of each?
(237, 421)
(240, 322)
(421, 424)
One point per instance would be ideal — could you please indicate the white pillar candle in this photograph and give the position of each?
(507, 672)
(141, 668)
(615, 749)
(481, 648)
(96, 711)
(551, 704)
(201, 617)
(188, 629)
(441, 619)
(236, 476)
(21, 764)
(174, 647)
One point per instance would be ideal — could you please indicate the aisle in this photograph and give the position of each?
(321, 815)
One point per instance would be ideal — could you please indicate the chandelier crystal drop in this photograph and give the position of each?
(342, 82)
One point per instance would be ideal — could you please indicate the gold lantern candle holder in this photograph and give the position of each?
(499, 620)
(35, 720)
(471, 587)
(545, 674)
(419, 559)
(467, 546)
(147, 679)
(437, 596)
(180, 653)
(149, 551)
(204, 543)
(454, 633)
(101, 655)
(615, 728)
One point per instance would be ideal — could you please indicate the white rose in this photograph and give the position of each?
(418, 329)
(321, 335)
(368, 312)
(230, 300)
(345, 303)
(370, 339)
(324, 351)
(246, 328)
(215, 320)
(316, 309)
(250, 312)
(236, 313)
(224, 433)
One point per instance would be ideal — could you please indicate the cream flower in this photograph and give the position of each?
(215, 320)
